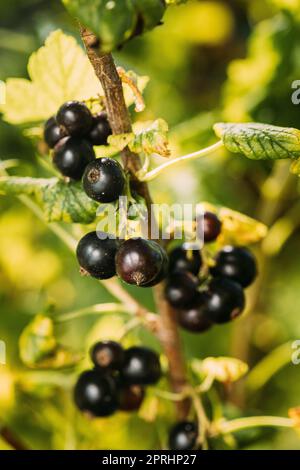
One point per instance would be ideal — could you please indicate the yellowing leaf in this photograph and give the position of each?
(240, 229)
(120, 141)
(37, 340)
(7, 389)
(39, 349)
(224, 369)
(294, 414)
(151, 138)
(58, 71)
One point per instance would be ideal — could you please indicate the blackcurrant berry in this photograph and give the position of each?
(208, 226)
(162, 273)
(100, 130)
(131, 397)
(75, 118)
(194, 319)
(72, 155)
(141, 367)
(107, 355)
(53, 133)
(183, 436)
(96, 254)
(224, 300)
(236, 263)
(96, 393)
(181, 259)
(104, 180)
(140, 262)
(181, 290)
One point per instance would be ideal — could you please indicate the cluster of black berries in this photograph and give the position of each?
(72, 134)
(118, 379)
(137, 261)
(221, 297)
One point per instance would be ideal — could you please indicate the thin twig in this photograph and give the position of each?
(92, 310)
(234, 425)
(170, 163)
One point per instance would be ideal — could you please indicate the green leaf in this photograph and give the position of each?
(66, 202)
(114, 22)
(151, 138)
(260, 141)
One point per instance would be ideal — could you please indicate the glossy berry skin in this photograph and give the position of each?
(181, 259)
(141, 367)
(163, 271)
(52, 132)
(71, 156)
(209, 227)
(181, 290)
(75, 118)
(183, 436)
(140, 262)
(96, 393)
(194, 319)
(104, 180)
(235, 263)
(131, 397)
(224, 300)
(107, 355)
(97, 256)
(100, 130)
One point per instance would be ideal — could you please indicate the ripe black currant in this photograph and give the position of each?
(224, 300)
(71, 156)
(107, 355)
(104, 180)
(140, 262)
(100, 130)
(141, 367)
(131, 397)
(181, 259)
(236, 263)
(183, 436)
(181, 290)
(194, 319)
(96, 254)
(162, 273)
(53, 133)
(75, 118)
(208, 226)
(96, 393)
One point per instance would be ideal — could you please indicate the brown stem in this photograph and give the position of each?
(11, 439)
(120, 122)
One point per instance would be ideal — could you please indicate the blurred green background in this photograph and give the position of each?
(228, 60)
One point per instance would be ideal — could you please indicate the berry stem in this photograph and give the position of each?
(7, 435)
(190, 156)
(92, 310)
(120, 123)
(203, 422)
(227, 427)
